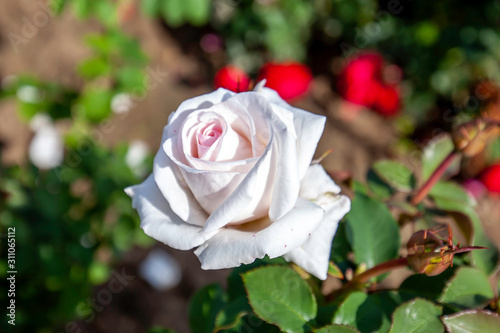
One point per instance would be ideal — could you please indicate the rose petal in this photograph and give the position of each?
(308, 126)
(172, 185)
(314, 254)
(287, 182)
(158, 220)
(249, 200)
(233, 246)
(316, 182)
(197, 103)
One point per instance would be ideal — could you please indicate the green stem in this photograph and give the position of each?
(367, 275)
(433, 179)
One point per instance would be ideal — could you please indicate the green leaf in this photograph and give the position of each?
(335, 271)
(98, 272)
(57, 6)
(486, 260)
(132, 79)
(397, 175)
(359, 187)
(451, 192)
(203, 308)
(26, 111)
(372, 231)
(362, 312)
(417, 316)
(336, 329)
(150, 7)
(92, 68)
(280, 296)
(197, 12)
(100, 43)
(421, 285)
(468, 288)
(404, 207)
(173, 12)
(235, 286)
(230, 315)
(378, 187)
(340, 245)
(96, 104)
(435, 153)
(81, 8)
(471, 321)
(106, 12)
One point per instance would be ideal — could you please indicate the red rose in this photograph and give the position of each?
(232, 78)
(291, 80)
(361, 83)
(490, 177)
(387, 101)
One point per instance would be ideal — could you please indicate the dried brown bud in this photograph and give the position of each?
(471, 138)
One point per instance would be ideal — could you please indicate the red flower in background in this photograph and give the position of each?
(291, 80)
(490, 177)
(232, 78)
(387, 101)
(361, 82)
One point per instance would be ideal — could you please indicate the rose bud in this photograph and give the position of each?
(291, 80)
(232, 78)
(424, 253)
(490, 177)
(471, 138)
(233, 179)
(430, 254)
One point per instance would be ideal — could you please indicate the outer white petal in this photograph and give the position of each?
(316, 182)
(160, 222)
(233, 246)
(201, 102)
(172, 185)
(308, 126)
(314, 254)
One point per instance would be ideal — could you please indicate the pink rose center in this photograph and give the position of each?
(206, 136)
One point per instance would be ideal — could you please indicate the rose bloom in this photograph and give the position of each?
(233, 178)
(292, 80)
(361, 83)
(232, 78)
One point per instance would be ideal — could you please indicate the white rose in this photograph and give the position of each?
(233, 178)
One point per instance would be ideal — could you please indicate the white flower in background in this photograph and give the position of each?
(136, 154)
(29, 94)
(46, 150)
(121, 103)
(160, 270)
(233, 178)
